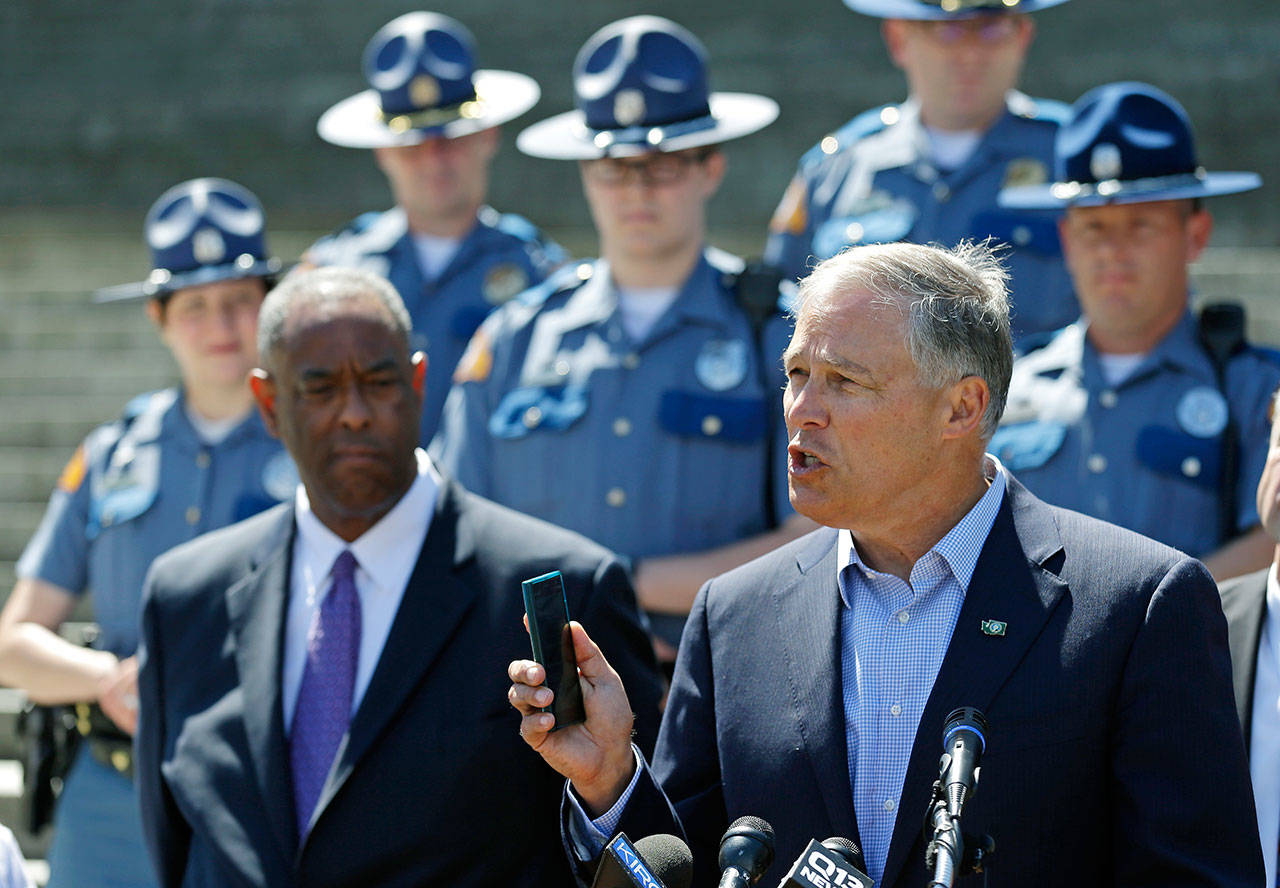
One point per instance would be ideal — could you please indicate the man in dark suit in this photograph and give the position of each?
(1251, 603)
(303, 724)
(813, 684)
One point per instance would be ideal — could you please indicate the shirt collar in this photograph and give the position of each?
(961, 545)
(381, 551)
(1180, 348)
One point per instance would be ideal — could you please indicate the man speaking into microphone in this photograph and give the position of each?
(813, 683)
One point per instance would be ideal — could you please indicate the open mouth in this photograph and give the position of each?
(801, 460)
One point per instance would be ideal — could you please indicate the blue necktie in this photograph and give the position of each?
(323, 708)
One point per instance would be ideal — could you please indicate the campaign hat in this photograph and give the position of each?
(939, 10)
(641, 84)
(423, 83)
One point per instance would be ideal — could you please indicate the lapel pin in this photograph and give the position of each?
(994, 627)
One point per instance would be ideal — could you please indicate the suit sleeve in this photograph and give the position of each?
(164, 829)
(1184, 810)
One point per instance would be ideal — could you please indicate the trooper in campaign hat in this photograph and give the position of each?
(634, 398)
(1142, 413)
(927, 170)
(431, 118)
(177, 463)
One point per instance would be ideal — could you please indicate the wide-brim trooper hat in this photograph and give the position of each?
(1125, 143)
(938, 10)
(424, 84)
(199, 232)
(640, 85)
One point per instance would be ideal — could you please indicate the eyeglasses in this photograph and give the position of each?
(652, 169)
(987, 28)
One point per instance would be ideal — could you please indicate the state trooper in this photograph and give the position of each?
(928, 170)
(633, 398)
(177, 463)
(431, 118)
(1140, 413)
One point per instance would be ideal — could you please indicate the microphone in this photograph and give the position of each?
(659, 861)
(834, 863)
(964, 737)
(746, 851)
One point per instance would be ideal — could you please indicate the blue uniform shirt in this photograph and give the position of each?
(1146, 453)
(138, 487)
(651, 448)
(501, 256)
(872, 182)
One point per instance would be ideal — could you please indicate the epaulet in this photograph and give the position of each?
(724, 261)
(142, 416)
(566, 277)
(1265, 353)
(367, 233)
(511, 223)
(148, 403)
(865, 124)
(1047, 110)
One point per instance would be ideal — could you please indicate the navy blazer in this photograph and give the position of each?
(1114, 755)
(433, 784)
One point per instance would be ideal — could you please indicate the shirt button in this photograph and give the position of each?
(854, 232)
(622, 427)
(631, 361)
(711, 425)
(616, 497)
(532, 417)
(1191, 467)
(888, 804)
(1021, 235)
(1107, 398)
(193, 514)
(202, 459)
(941, 192)
(562, 367)
(895, 710)
(584, 271)
(1097, 463)
(903, 616)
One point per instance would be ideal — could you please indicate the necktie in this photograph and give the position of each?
(323, 708)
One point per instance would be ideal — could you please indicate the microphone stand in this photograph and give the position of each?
(951, 852)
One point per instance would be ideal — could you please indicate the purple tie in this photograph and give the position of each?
(323, 708)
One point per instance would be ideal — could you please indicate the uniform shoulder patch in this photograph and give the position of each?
(73, 472)
(476, 362)
(1047, 110)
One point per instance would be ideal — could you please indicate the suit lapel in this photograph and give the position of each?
(1245, 609)
(809, 624)
(1010, 583)
(434, 602)
(257, 606)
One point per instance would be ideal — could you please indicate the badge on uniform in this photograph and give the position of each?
(1025, 171)
(722, 364)
(503, 282)
(280, 477)
(1202, 412)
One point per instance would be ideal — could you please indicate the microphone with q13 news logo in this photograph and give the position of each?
(834, 863)
(660, 861)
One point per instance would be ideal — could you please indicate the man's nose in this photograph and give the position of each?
(356, 412)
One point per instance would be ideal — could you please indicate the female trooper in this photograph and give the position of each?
(177, 463)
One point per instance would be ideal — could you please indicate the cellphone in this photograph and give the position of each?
(547, 608)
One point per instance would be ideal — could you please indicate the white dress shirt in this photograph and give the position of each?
(386, 554)
(1264, 735)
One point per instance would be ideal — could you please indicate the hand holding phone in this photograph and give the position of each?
(547, 610)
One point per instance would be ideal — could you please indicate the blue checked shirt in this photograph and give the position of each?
(894, 635)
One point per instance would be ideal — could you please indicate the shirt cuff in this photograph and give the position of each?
(588, 837)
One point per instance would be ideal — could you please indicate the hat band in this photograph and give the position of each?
(963, 5)
(468, 109)
(1111, 187)
(649, 135)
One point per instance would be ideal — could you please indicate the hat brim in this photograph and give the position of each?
(912, 9)
(210, 274)
(1060, 195)
(357, 122)
(567, 137)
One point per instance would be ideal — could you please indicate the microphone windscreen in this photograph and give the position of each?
(669, 859)
(848, 849)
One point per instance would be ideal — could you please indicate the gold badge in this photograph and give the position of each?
(1025, 171)
(503, 282)
(424, 91)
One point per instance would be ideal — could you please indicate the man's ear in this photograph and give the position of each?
(966, 402)
(264, 395)
(418, 361)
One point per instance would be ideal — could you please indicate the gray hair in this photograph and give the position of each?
(324, 287)
(956, 303)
